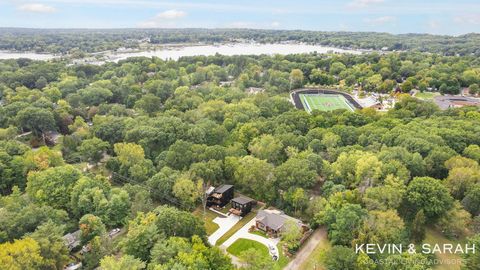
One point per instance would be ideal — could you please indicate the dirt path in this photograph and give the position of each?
(306, 249)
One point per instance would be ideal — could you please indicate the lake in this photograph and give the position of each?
(231, 49)
(180, 51)
(29, 55)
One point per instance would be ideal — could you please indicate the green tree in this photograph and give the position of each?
(428, 194)
(253, 260)
(129, 154)
(93, 149)
(53, 186)
(382, 227)
(49, 237)
(173, 222)
(252, 175)
(340, 258)
(21, 255)
(37, 120)
(141, 236)
(473, 152)
(186, 191)
(91, 226)
(418, 227)
(267, 147)
(472, 259)
(124, 262)
(291, 234)
(149, 103)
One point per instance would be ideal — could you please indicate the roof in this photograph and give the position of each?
(242, 200)
(223, 188)
(274, 219)
(271, 220)
(72, 239)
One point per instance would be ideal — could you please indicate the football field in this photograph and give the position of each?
(324, 102)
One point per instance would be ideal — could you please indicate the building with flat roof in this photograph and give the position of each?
(242, 205)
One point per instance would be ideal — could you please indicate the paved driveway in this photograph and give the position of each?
(225, 224)
(243, 233)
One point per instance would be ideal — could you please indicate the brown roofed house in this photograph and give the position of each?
(273, 221)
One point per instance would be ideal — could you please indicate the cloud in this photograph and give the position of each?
(380, 20)
(275, 24)
(171, 14)
(467, 19)
(363, 3)
(36, 8)
(164, 19)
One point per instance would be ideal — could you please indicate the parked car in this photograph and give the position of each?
(114, 232)
(273, 251)
(85, 249)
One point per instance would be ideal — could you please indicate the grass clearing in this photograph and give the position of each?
(283, 260)
(324, 102)
(210, 226)
(426, 95)
(260, 233)
(243, 244)
(433, 237)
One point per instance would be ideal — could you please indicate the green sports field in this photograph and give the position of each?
(324, 102)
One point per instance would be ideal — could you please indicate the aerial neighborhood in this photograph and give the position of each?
(165, 148)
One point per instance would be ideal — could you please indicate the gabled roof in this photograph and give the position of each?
(271, 220)
(274, 219)
(223, 188)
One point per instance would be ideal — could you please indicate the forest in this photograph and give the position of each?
(132, 144)
(71, 41)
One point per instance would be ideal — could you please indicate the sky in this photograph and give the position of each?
(450, 17)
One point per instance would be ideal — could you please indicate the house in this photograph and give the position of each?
(273, 221)
(242, 205)
(220, 196)
(72, 240)
(254, 90)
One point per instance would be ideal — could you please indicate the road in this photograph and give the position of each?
(307, 249)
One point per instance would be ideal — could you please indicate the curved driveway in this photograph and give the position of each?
(224, 224)
(243, 233)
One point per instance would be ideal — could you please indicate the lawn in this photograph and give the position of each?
(210, 226)
(283, 260)
(324, 102)
(433, 237)
(260, 233)
(243, 244)
(316, 258)
(426, 95)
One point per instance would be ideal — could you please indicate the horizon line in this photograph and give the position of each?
(231, 28)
